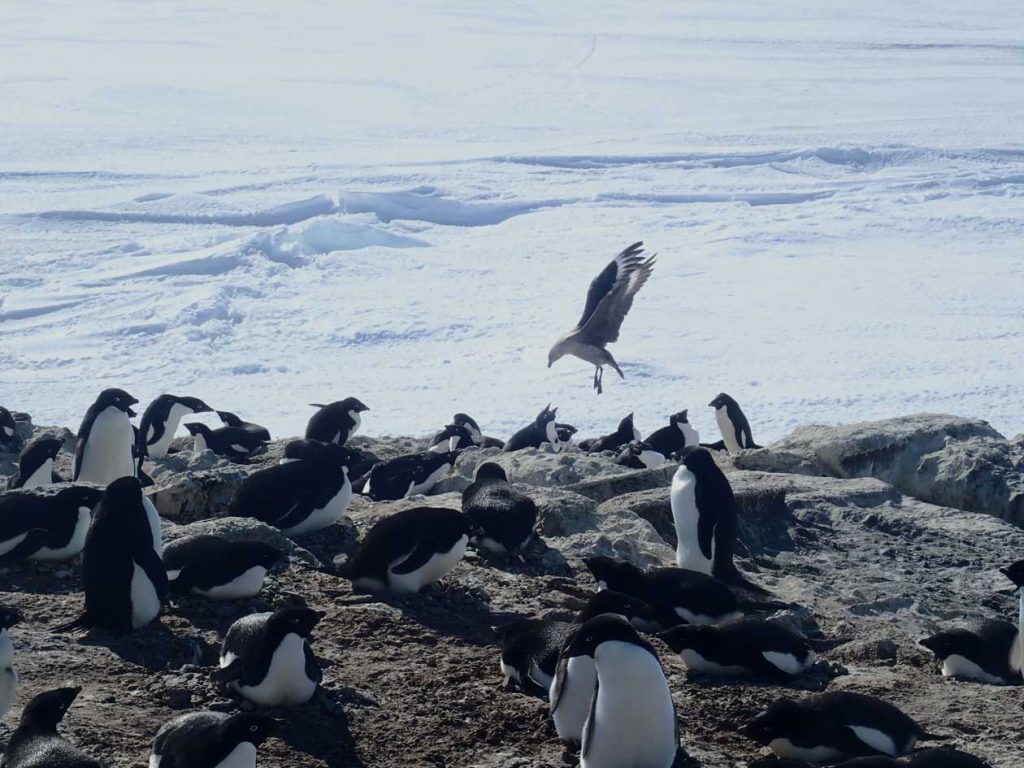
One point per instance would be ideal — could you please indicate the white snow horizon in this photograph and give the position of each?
(271, 205)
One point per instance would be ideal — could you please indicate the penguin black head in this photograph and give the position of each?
(613, 574)
(195, 428)
(942, 644)
(328, 453)
(697, 459)
(695, 637)
(265, 554)
(464, 420)
(626, 425)
(546, 416)
(42, 448)
(117, 398)
(565, 432)
(81, 496)
(8, 617)
(228, 419)
(7, 425)
(194, 404)
(632, 609)
(490, 471)
(1015, 573)
(252, 727)
(122, 492)
(297, 620)
(722, 401)
(678, 418)
(776, 722)
(603, 628)
(47, 709)
(344, 406)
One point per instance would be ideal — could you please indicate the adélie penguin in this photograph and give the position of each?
(266, 657)
(732, 423)
(409, 550)
(983, 650)
(124, 581)
(8, 677)
(676, 436)
(106, 438)
(218, 568)
(211, 740)
(236, 444)
(833, 726)
(299, 496)
(640, 455)
(940, 757)
(632, 720)
(36, 742)
(8, 427)
(453, 437)
(502, 517)
(35, 463)
(336, 422)
(740, 647)
(405, 476)
(160, 421)
(46, 524)
(228, 419)
(541, 430)
(704, 513)
(625, 433)
(565, 435)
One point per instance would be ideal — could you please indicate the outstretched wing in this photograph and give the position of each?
(611, 295)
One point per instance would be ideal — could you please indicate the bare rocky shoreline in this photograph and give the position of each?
(877, 534)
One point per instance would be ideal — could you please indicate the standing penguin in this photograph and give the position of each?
(454, 437)
(409, 550)
(8, 427)
(123, 578)
(161, 419)
(211, 740)
(732, 423)
(625, 433)
(235, 444)
(105, 439)
(46, 525)
(675, 437)
(36, 743)
(299, 496)
(228, 419)
(8, 677)
(35, 463)
(833, 726)
(219, 568)
(704, 512)
(534, 435)
(741, 647)
(502, 517)
(632, 720)
(409, 475)
(336, 422)
(266, 657)
(640, 455)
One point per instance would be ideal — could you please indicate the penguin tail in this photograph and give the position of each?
(80, 623)
(825, 644)
(719, 446)
(734, 578)
(925, 736)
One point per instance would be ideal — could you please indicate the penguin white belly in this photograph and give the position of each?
(158, 450)
(357, 422)
(9, 431)
(247, 584)
(108, 451)
(145, 603)
(8, 677)
(787, 662)
(686, 518)
(441, 447)
(878, 740)
(539, 676)
(74, 546)
(574, 705)
(551, 433)
(690, 435)
(42, 476)
(199, 444)
(286, 682)
(438, 566)
(634, 721)
(510, 672)
(329, 514)
(956, 665)
(725, 425)
(491, 545)
(429, 483)
(785, 748)
(153, 518)
(1017, 653)
(242, 756)
(154, 760)
(651, 459)
(9, 544)
(702, 618)
(694, 662)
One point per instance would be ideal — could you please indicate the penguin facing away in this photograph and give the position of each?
(453, 437)
(228, 419)
(123, 578)
(639, 455)
(219, 568)
(503, 518)
(469, 424)
(409, 475)
(625, 433)
(160, 421)
(8, 677)
(266, 657)
(46, 526)
(632, 719)
(35, 463)
(741, 647)
(732, 423)
(104, 452)
(534, 435)
(675, 437)
(983, 650)
(336, 422)
(36, 743)
(565, 434)
(299, 496)
(214, 739)
(409, 550)
(835, 725)
(236, 444)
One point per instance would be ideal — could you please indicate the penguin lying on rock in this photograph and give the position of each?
(625, 433)
(215, 739)
(218, 568)
(235, 444)
(503, 517)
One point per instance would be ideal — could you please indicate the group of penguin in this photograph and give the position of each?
(606, 688)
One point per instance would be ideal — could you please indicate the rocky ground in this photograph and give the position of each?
(832, 522)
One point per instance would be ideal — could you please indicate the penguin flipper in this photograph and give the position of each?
(79, 456)
(230, 673)
(313, 671)
(705, 534)
(560, 678)
(150, 563)
(300, 511)
(716, 446)
(415, 560)
(588, 726)
(79, 623)
(33, 540)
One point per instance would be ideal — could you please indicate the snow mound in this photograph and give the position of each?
(293, 245)
(429, 205)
